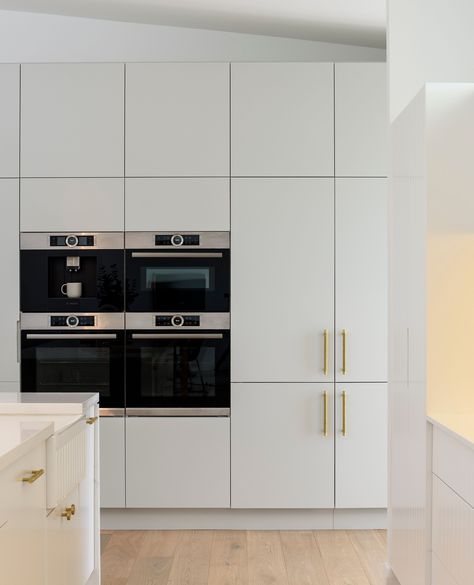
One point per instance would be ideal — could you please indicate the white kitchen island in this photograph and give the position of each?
(49, 489)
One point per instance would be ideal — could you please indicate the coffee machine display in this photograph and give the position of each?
(71, 272)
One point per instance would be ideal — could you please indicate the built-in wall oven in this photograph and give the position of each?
(178, 272)
(71, 272)
(178, 364)
(64, 352)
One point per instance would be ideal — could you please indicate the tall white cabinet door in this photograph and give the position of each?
(177, 462)
(282, 285)
(72, 120)
(361, 120)
(361, 445)
(282, 119)
(112, 462)
(9, 120)
(177, 119)
(281, 456)
(9, 259)
(361, 280)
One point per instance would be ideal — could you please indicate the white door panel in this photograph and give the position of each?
(9, 120)
(112, 462)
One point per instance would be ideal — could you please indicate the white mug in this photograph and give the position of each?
(73, 290)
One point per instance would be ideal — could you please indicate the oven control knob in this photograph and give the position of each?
(72, 321)
(177, 240)
(72, 241)
(177, 321)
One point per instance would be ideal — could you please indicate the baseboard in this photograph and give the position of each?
(161, 519)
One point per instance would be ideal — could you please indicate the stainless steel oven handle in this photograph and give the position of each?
(71, 336)
(176, 255)
(177, 336)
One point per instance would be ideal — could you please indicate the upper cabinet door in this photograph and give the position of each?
(282, 282)
(72, 120)
(282, 119)
(361, 120)
(177, 120)
(361, 280)
(9, 120)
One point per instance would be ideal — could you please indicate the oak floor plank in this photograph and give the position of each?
(119, 557)
(265, 558)
(382, 536)
(304, 564)
(160, 543)
(192, 559)
(342, 564)
(372, 554)
(229, 560)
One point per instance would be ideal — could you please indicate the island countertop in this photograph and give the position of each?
(458, 425)
(26, 403)
(18, 437)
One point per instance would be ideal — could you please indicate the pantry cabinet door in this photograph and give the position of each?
(361, 280)
(282, 119)
(361, 445)
(72, 120)
(361, 120)
(112, 462)
(9, 120)
(281, 456)
(282, 285)
(177, 119)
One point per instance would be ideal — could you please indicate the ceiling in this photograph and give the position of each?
(360, 22)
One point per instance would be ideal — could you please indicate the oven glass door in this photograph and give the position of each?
(74, 362)
(178, 281)
(178, 370)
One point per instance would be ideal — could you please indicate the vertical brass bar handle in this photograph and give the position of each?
(344, 352)
(326, 352)
(344, 413)
(325, 423)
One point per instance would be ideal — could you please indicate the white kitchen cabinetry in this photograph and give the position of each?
(361, 121)
(282, 280)
(175, 462)
(9, 120)
(72, 120)
(112, 462)
(9, 259)
(361, 280)
(80, 204)
(361, 445)
(178, 204)
(177, 119)
(281, 457)
(282, 119)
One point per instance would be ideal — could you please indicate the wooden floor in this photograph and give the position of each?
(200, 557)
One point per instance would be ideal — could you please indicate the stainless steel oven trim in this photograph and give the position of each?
(103, 321)
(146, 240)
(103, 241)
(177, 254)
(130, 412)
(63, 336)
(109, 412)
(177, 336)
(146, 321)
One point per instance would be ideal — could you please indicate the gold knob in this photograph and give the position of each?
(35, 474)
(91, 420)
(69, 512)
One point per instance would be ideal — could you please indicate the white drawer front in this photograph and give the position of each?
(453, 462)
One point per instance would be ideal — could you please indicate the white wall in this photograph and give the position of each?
(428, 40)
(27, 37)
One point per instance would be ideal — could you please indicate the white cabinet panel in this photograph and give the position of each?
(282, 279)
(282, 119)
(440, 575)
(177, 462)
(49, 205)
(361, 279)
(280, 455)
(177, 119)
(9, 260)
(190, 204)
(112, 462)
(9, 120)
(361, 120)
(361, 455)
(72, 120)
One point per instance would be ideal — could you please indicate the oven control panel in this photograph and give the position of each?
(177, 321)
(72, 321)
(177, 240)
(71, 241)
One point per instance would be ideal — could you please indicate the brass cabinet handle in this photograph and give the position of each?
(325, 423)
(91, 420)
(344, 352)
(326, 352)
(69, 512)
(344, 413)
(35, 474)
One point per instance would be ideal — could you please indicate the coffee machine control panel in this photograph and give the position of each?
(72, 321)
(71, 241)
